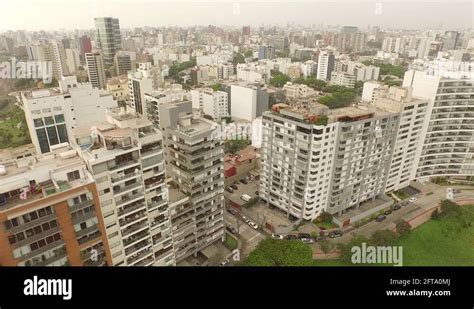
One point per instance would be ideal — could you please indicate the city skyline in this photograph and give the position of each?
(233, 13)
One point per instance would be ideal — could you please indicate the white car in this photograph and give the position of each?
(245, 219)
(412, 199)
(276, 236)
(253, 225)
(225, 262)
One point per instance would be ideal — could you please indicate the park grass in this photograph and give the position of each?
(401, 194)
(230, 242)
(17, 138)
(435, 243)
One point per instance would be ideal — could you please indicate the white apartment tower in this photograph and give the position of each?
(95, 69)
(212, 103)
(195, 164)
(125, 156)
(139, 84)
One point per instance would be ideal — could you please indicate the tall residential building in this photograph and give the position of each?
(124, 154)
(343, 79)
(212, 103)
(449, 135)
(123, 63)
(325, 65)
(248, 101)
(139, 84)
(96, 69)
(73, 60)
(108, 37)
(155, 98)
(50, 213)
(325, 160)
(195, 164)
(266, 52)
(410, 137)
(84, 45)
(52, 113)
(60, 59)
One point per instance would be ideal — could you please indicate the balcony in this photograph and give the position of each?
(132, 218)
(138, 246)
(130, 208)
(134, 228)
(120, 190)
(125, 177)
(129, 198)
(135, 238)
(125, 164)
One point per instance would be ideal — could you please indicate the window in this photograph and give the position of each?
(59, 118)
(71, 176)
(48, 120)
(38, 122)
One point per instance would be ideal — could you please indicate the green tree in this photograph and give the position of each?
(346, 249)
(238, 58)
(326, 217)
(279, 79)
(383, 238)
(272, 252)
(216, 87)
(403, 227)
(326, 246)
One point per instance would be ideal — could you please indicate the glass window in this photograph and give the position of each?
(62, 132)
(43, 140)
(48, 120)
(59, 118)
(53, 136)
(38, 122)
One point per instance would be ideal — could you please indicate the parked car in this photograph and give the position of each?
(245, 219)
(277, 236)
(412, 199)
(229, 189)
(245, 197)
(256, 193)
(225, 262)
(232, 230)
(231, 210)
(335, 234)
(396, 207)
(404, 203)
(244, 181)
(234, 187)
(253, 225)
(319, 238)
(291, 237)
(387, 212)
(303, 235)
(307, 240)
(380, 218)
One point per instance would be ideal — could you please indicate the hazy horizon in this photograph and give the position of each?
(80, 14)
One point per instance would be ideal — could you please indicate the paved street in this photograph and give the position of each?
(247, 235)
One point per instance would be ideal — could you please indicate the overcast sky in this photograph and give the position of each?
(79, 14)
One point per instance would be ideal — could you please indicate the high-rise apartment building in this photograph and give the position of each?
(108, 37)
(325, 160)
(155, 98)
(139, 84)
(50, 213)
(248, 101)
(52, 113)
(123, 63)
(96, 69)
(325, 65)
(212, 103)
(124, 154)
(449, 135)
(266, 52)
(195, 164)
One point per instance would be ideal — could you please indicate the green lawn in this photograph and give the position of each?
(17, 137)
(435, 243)
(401, 194)
(325, 225)
(230, 242)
